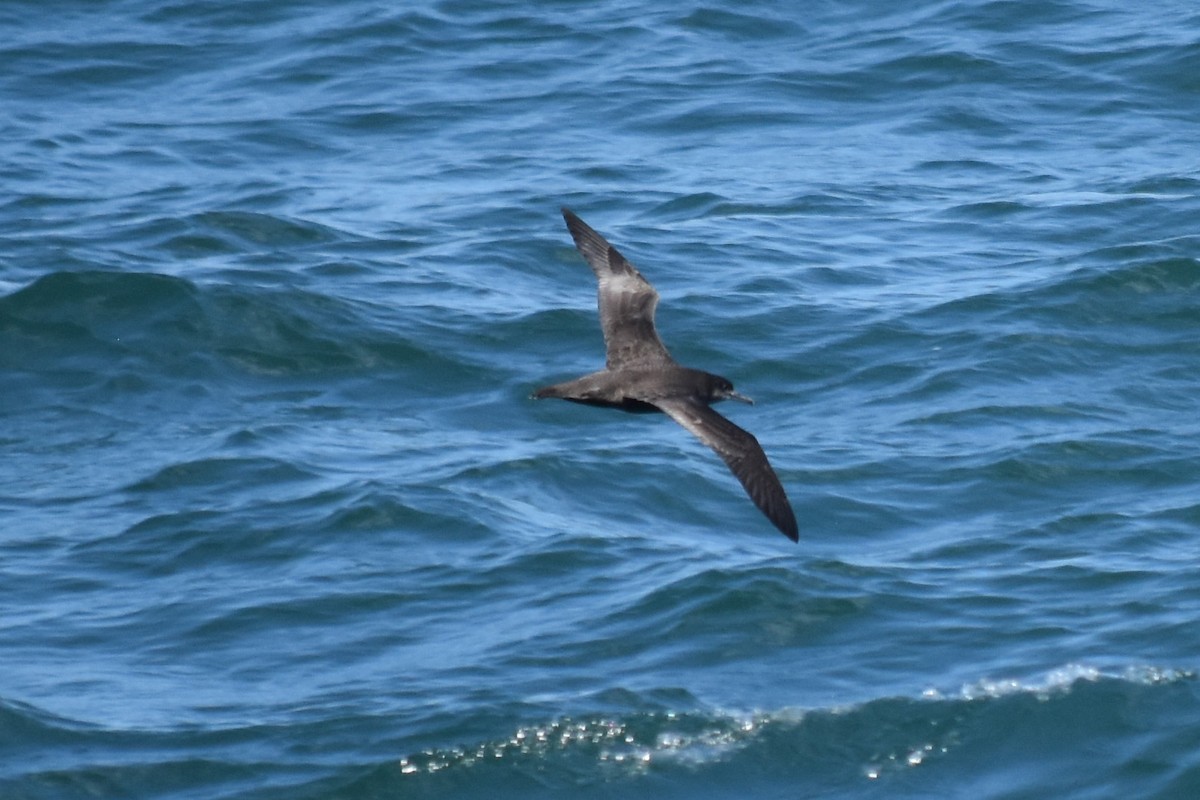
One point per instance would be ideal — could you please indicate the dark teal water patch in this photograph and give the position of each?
(101, 327)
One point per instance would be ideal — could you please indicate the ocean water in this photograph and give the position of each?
(280, 521)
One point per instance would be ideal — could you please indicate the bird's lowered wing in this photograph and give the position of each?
(744, 456)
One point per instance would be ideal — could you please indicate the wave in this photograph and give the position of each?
(965, 740)
(1073, 730)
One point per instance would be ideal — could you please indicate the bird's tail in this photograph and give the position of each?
(547, 391)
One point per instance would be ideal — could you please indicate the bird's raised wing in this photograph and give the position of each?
(626, 299)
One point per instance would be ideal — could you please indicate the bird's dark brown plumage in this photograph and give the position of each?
(640, 376)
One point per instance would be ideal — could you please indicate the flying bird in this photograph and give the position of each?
(640, 376)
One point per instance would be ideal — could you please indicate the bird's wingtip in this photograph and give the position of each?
(785, 521)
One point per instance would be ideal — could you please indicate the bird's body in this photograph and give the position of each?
(640, 376)
(636, 390)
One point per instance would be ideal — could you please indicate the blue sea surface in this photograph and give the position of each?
(281, 521)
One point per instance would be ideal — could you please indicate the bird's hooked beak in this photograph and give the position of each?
(732, 395)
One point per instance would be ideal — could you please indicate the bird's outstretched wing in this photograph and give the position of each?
(744, 456)
(626, 299)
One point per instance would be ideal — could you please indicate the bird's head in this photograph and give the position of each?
(722, 389)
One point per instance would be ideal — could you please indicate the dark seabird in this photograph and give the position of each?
(640, 376)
